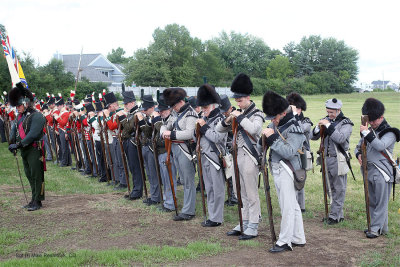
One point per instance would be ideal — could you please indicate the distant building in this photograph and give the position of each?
(94, 67)
(379, 84)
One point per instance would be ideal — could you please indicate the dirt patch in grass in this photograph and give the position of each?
(104, 221)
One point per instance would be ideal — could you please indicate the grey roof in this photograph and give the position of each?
(91, 66)
(379, 82)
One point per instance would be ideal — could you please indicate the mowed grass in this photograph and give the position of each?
(64, 181)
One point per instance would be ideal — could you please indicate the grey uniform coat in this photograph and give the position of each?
(182, 125)
(281, 149)
(250, 121)
(214, 179)
(338, 133)
(378, 141)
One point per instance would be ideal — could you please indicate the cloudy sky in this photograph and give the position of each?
(44, 27)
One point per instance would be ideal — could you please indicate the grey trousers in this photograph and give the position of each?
(117, 161)
(214, 182)
(167, 193)
(248, 172)
(134, 167)
(300, 195)
(379, 194)
(186, 173)
(150, 166)
(65, 152)
(47, 147)
(100, 161)
(292, 229)
(338, 188)
(92, 158)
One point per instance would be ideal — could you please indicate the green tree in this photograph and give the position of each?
(117, 56)
(279, 68)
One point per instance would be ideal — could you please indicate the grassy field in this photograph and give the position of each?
(22, 232)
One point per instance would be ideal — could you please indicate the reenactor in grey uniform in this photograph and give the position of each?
(380, 138)
(226, 108)
(180, 130)
(338, 131)
(128, 128)
(212, 145)
(298, 106)
(250, 121)
(162, 118)
(146, 130)
(93, 121)
(285, 138)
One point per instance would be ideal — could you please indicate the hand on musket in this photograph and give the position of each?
(201, 122)
(139, 115)
(323, 122)
(268, 132)
(166, 134)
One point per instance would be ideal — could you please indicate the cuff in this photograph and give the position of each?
(271, 139)
(365, 132)
(107, 119)
(142, 123)
(330, 129)
(173, 135)
(357, 154)
(156, 119)
(204, 129)
(240, 118)
(224, 124)
(370, 137)
(92, 120)
(122, 117)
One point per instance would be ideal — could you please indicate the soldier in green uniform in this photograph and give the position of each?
(25, 135)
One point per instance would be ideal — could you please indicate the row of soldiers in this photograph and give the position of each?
(160, 140)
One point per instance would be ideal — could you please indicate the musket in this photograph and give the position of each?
(103, 150)
(236, 168)
(200, 170)
(55, 137)
(85, 148)
(394, 183)
(111, 164)
(323, 170)
(140, 156)
(155, 154)
(121, 146)
(168, 164)
(78, 145)
(267, 189)
(20, 177)
(364, 121)
(93, 149)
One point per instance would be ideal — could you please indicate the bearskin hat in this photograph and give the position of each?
(241, 86)
(207, 95)
(19, 93)
(173, 95)
(296, 100)
(373, 108)
(89, 107)
(273, 104)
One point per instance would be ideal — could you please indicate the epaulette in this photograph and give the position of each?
(296, 128)
(307, 120)
(347, 121)
(391, 130)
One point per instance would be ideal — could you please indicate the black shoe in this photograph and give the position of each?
(332, 221)
(133, 198)
(111, 183)
(81, 170)
(73, 168)
(277, 249)
(121, 187)
(246, 237)
(164, 209)
(35, 206)
(234, 233)
(298, 245)
(101, 180)
(303, 210)
(151, 202)
(27, 205)
(178, 182)
(210, 223)
(371, 234)
(183, 217)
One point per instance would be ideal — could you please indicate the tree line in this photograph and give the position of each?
(175, 58)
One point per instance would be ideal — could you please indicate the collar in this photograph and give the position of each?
(384, 124)
(213, 113)
(184, 107)
(133, 109)
(285, 119)
(338, 118)
(249, 108)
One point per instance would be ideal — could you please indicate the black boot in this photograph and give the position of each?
(35, 206)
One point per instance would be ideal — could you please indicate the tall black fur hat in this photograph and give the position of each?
(273, 104)
(19, 95)
(241, 86)
(207, 95)
(173, 95)
(373, 108)
(296, 100)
